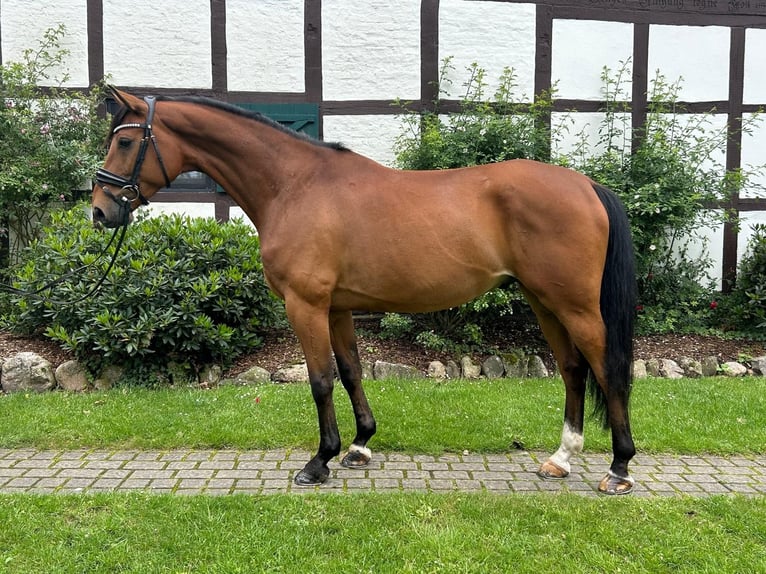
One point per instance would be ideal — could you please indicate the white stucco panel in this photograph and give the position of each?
(748, 220)
(706, 243)
(371, 49)
(581, 49)
(465, 30)
(699, 55)
(158, 44)
(264, 40)
(187, 209)
(236, 212)
(755, 63)
(581, 134)
(370, 136)
(754, 155)
(25, 22)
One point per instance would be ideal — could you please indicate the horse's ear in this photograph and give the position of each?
(129, 101)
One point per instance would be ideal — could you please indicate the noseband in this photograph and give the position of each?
(130, 188)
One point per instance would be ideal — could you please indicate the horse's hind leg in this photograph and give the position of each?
(350, 371)
(574, 370)
(612, 393)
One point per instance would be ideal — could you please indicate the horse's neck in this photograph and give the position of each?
(252, 161)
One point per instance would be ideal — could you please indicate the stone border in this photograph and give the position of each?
(26, 371)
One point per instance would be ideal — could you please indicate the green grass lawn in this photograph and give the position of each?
(717, 415)
(394, 533)
(381, 533)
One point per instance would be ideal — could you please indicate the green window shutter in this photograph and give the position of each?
(299, 117)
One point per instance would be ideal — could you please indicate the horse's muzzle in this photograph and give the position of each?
(103, 219)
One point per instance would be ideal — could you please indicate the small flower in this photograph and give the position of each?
(45, 129)
(714, 304)
(62, 197)
(10, 104)
(652, 247)
(639, 308)
(44, 186)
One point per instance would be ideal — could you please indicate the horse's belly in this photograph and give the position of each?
(416, 292)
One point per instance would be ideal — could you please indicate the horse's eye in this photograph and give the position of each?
(124, 143)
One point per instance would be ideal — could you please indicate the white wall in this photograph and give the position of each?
(24, 23)
(581, 50)
(699, 55)
(370, 49)
(755, 78)
(371, 136)
(264, 42)
(465, 27)
(158, 44)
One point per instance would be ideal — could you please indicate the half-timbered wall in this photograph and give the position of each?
(353, 58)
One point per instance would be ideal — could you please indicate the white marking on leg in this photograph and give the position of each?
(363, 450)
(629, 479)
(571, 444)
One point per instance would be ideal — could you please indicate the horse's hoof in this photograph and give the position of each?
(612, 484)
(305, 478)
(357, 457)
(549, 470)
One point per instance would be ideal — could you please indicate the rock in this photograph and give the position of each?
(210, 375)
(670, 369)
(384, 370)
(72, 376)
(515, 363)
(692, 368)
(710, 366)
(27, 372)
(293, 374)
(252, 376)
(639, 369)
(470, 370)
(181, 374)
(368, 370)
(759, 365)
(108, 378)
(536, 367)
(453, 370)
(493, 367)
(437, 370)
(653, 368)
(733, 369)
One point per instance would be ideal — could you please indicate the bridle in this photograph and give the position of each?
(130, 188)
(130, 193)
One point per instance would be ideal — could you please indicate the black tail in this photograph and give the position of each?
(618, 305)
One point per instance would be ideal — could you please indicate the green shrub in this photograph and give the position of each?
(184, 290)
(51, 141)
(745, 307)
(482, 131)
(667, 184)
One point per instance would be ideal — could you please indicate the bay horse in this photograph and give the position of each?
(340, 232)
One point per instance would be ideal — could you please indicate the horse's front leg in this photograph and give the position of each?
(350, 371)
(311, 326)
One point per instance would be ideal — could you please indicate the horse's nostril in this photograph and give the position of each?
(98, 216)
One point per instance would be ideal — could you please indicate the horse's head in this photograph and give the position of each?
(134, 169)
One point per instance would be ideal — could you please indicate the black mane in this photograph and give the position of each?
(257, 116)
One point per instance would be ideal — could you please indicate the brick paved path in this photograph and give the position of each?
(230, 472)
